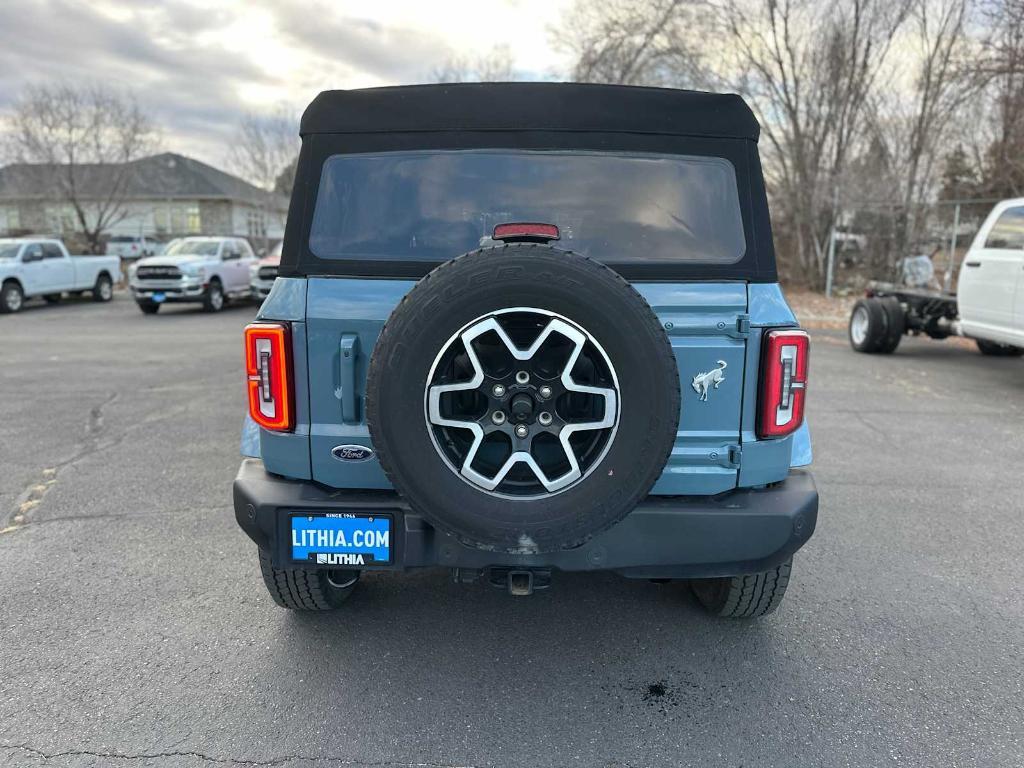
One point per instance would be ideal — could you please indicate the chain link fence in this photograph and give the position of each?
(870, 239)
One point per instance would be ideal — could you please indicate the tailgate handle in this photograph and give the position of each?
(349, 354)
(972, 263)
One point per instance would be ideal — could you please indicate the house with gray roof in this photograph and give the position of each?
(166, 195)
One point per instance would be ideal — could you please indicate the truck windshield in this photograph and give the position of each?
(434, 205)
(9, 250)
(193, 248)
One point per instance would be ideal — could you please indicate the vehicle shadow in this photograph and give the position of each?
(37, 302)
(191, 309)
(593, 643)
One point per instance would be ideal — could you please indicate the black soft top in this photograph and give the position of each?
(571, 107)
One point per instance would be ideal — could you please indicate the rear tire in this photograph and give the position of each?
(52, 298)
(12, 298)
(104, 289)
(895, 325)
(994, 349)
(744, 597)
(213, 299)
(303, 589)
(867, 327)
(148, 307)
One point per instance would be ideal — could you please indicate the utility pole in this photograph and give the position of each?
(832, 242)
(947, 280)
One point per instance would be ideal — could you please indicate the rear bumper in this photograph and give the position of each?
(744, 531)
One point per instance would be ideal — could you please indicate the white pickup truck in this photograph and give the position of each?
(988, 305)
(205, 270)
(40, 267)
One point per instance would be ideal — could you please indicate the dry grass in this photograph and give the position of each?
(815, 311)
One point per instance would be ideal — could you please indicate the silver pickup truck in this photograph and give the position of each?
(204, 270)
(41, 267)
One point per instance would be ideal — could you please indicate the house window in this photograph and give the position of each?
(192, 221)
(256, 224)
(162, 219)
(177, 219)
(10, 219)
(61, 219)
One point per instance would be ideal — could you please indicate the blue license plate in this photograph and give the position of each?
(159, 297)
(341, 539)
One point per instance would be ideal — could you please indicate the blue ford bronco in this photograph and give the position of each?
(522, 328)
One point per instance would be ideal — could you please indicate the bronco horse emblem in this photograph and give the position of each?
(702, 382)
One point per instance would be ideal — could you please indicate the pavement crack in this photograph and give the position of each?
(877, 430)
(282, 760)
(137, 756)
(32, 496)
(199, 510)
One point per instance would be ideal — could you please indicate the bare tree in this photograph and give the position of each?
(1002, 61)
(264, 151)
(634, 43)
(264, 145)
(81, 142)
(808, 69)
(913, 124)
(495, 66)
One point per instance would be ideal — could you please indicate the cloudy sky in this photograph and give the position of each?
(197, 66)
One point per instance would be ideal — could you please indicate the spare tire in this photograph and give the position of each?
(523, 398)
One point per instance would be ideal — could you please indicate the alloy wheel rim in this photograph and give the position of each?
(859, 325)
(522, 403)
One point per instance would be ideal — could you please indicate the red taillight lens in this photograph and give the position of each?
(526, 231)
(783, 383)
(268, 366)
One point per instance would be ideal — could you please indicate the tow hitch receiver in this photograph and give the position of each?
(519, 583)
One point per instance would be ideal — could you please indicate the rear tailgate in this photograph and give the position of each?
(343, 320)
(706, 323)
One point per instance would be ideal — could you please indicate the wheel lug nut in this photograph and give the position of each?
(545, 391)
(544, 418)
(522, 431)
(498, 417)
(498, 390)
(522, 377)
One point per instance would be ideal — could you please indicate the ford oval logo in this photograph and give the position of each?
(352, 453)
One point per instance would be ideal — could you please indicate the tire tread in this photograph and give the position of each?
(299, 589)
(751, 595)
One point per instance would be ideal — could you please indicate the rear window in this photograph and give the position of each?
(434, 205)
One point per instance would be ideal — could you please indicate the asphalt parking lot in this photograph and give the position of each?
(134, 628)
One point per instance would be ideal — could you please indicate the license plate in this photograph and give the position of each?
(158, 297)
(341, 539)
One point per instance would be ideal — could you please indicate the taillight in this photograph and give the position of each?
(526, 231)
(783, 383)
(268, 367)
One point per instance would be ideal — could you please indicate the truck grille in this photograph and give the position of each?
(158, 273)
(267, 273)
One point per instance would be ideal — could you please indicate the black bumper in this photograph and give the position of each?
(744, 531)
